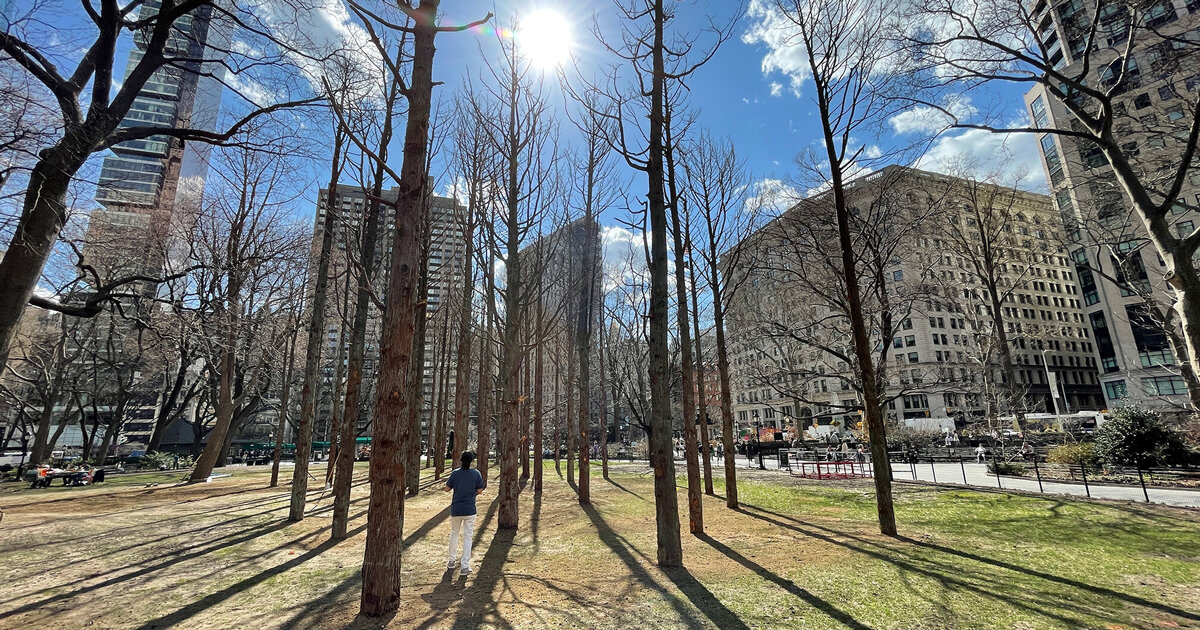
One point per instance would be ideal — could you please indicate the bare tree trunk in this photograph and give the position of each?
(603, 399)
(316, 331)
(416, 379)
(344, 463)
(284, 406)
(462, 377)
(557, 413)
(487, 380)
(216, 438)
(670, 552)
(570, 391)
(438, 438)
(335, 397)
(43, 215)
(526, 408)
(731, 494)
(688, 395)
(583, 338)
(510, 357)
(392, 431)
(538, 402)
(701, 398)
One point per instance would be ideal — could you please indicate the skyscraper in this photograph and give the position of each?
(446, 250)
(144, 181)
(1125, 298)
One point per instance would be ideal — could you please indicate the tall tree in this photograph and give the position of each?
(717, 182)
(845, 51)
(392, 434)
(521, 131)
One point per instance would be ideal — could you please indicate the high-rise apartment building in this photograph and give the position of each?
(925, 280)
(143, 181)
(1120, 273)
(447, 249)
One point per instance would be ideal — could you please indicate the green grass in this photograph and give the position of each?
(964, 559)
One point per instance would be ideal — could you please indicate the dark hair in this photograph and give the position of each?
(466, 458)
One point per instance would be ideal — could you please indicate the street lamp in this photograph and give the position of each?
(1050, 382)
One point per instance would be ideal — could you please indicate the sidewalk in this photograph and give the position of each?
(976, 475)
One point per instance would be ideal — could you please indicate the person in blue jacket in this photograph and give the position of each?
(465, 483)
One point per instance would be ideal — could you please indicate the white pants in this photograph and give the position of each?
(464, 526)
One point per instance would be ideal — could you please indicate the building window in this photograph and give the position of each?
(1053, 162)
(1184, 228)
(913, 357)
(1115, 390)
(1038, 107)
(1164, 386)
(910, 340)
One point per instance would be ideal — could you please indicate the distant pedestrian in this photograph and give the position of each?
(860, 456)
(466, 484)
(980, 454)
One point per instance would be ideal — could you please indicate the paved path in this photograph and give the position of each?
(976, 475)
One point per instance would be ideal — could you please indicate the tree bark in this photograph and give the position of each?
(510, 357)
(43, 214)
(538, 401)
(385, 512)
(487, 380)
(670, 551)
(344, 463)
(688, 395)
(462, 375)
(416, 378)
(571, 410)
(526, 406)
(731, 494)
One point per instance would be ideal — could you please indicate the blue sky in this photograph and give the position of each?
(753, 91)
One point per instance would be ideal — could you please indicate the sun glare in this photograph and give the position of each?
(545, 38)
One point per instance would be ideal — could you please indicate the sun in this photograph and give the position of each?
(544, 37)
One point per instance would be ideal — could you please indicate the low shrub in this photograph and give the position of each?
(1006, 468)
(1136, 436)
(1082, 454)
(165, 461)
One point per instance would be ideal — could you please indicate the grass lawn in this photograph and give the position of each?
(800, 554)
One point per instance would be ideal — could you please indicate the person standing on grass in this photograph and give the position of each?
(466, 484)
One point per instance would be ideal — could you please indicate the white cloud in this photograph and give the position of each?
(1011, 158)
(930, 120)
(779, 36)
(772, 196)
(624, 256)
(776, 88)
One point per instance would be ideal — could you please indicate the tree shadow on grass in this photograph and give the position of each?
(957, 575)
(195, 608)
(699, 596)
(481, 602)
(310, 615)
(627, 490)
(820, 604)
